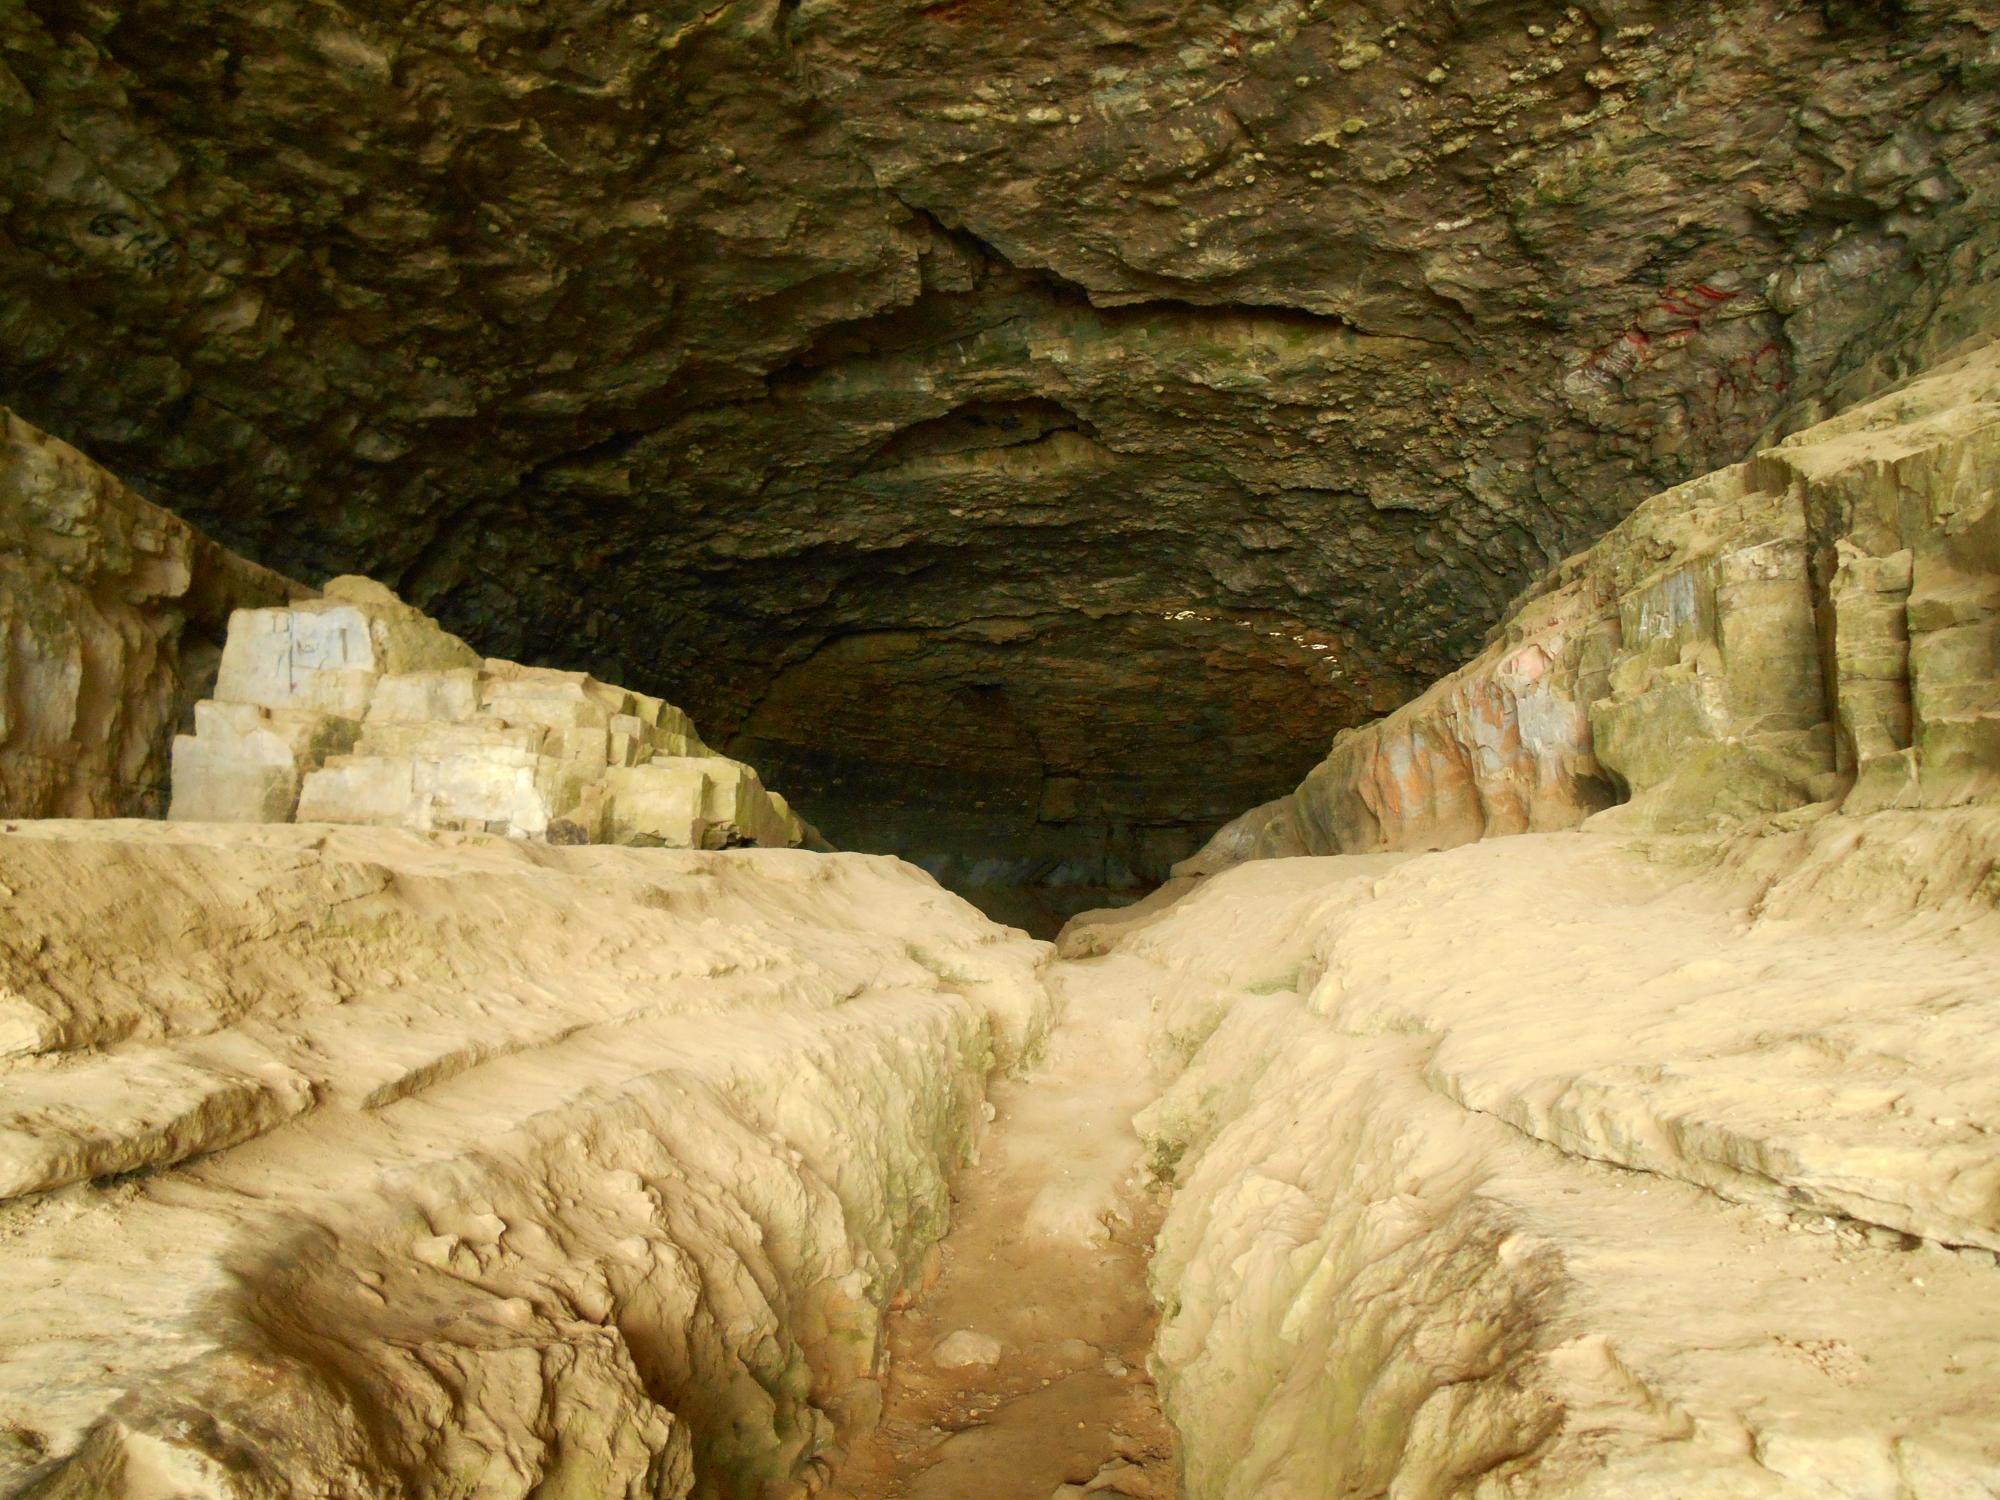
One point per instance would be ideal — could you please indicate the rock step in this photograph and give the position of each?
(605, 1187)
(1583, 1161)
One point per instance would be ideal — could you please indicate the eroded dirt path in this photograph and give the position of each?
(1041, 1290)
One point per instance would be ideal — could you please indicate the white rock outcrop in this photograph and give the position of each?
(353, 1162)
(356, 708)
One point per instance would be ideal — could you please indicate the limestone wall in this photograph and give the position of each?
(120, 624)
(112, 614)
(356, 708)
(1821, 622)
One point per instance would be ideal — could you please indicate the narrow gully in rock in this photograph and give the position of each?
(1024, 438)
(1019, 1372)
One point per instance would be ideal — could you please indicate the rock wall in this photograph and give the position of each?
(1583, 1165)
(112, 614)
(353, 1162)
(1819, 623)
(356, 708)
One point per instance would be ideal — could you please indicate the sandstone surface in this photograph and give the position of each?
(112, 614)
(1819, 623)
(1044, 1270)
(344, 1162)
(1584, 1165)
(977, 414)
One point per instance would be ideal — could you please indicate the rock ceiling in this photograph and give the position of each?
(1020, 426)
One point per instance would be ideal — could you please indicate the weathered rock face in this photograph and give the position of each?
(356, 708)
(1045, 396)
(1584, 1166)
(1822, 622)
(112, 614)
(356, 1162)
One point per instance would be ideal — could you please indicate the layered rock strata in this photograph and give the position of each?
(112, 615)
(1572, 1165)
(356, 708)
(354, 1162)
(1819, 623)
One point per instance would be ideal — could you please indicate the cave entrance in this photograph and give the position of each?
(1040, 768)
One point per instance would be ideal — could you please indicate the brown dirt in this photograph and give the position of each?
(1047, 1254)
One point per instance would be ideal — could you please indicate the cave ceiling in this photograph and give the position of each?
(1003, 420)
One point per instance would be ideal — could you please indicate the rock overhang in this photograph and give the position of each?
(1025, 393)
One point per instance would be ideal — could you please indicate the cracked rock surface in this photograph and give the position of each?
(361, 1162)
(1667, 1173)
(977, 415)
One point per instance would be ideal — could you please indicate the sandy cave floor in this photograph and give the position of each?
(1602, 1166)
(1042, 1282)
